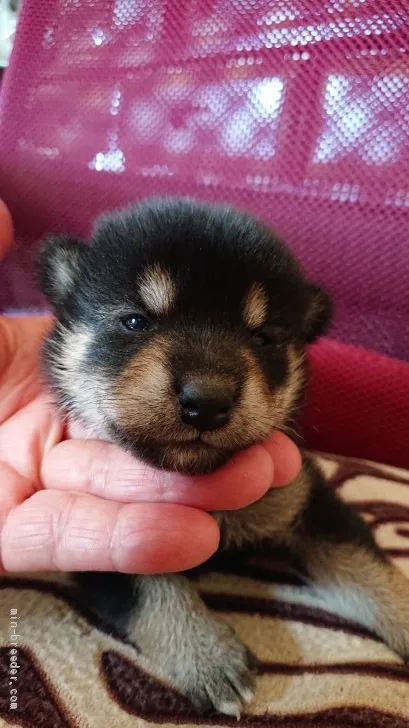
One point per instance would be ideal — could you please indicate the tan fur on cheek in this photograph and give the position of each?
(145, 406)
(288, 394)
(254, 407)
(255, 306)
(157, 290)
(260, 409)
(251, 420)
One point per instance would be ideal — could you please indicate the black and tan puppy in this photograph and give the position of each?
(180, 334)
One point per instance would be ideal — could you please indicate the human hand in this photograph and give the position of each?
(72, 504)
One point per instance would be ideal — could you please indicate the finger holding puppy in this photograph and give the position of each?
(106, 471)
(56, 531)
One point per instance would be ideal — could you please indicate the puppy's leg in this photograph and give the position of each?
(200, 656)
(348, 568)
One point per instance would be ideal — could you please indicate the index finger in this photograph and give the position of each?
(102, 469)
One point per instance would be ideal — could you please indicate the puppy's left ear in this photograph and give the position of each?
(318, 312)
(59, 263)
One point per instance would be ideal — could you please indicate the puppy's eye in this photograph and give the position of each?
(136, 322)
(263, 337)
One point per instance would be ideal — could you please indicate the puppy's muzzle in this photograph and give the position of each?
(205, 404)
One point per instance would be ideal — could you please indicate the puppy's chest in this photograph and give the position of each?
(269, 518)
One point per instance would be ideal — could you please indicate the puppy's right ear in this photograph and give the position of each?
(60, 260)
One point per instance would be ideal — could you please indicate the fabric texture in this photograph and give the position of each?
(317, 668)
(357, 403)
(294, 110)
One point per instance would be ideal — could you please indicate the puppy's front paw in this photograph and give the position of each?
(221, 675)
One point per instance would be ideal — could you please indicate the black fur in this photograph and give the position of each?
(110, 595)
(187, 239)
(327, 518)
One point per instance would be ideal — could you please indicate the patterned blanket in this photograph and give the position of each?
(317, 669)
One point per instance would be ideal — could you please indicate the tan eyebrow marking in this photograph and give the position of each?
(255, 306)
(157, 290)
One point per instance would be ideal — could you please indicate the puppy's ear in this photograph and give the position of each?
(59, 263)
(318, 312)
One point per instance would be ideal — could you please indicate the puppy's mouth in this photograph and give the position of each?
(199, 440)
(193, 455)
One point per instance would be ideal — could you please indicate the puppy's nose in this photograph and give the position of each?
(205, 406)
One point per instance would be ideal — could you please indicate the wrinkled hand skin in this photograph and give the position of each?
(70, 504)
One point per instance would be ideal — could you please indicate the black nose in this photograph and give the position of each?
(205, 405)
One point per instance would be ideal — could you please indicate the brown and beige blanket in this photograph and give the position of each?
(317, 668)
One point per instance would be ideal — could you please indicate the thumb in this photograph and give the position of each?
(6, 229)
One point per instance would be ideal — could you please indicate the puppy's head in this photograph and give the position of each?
(180, 331)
